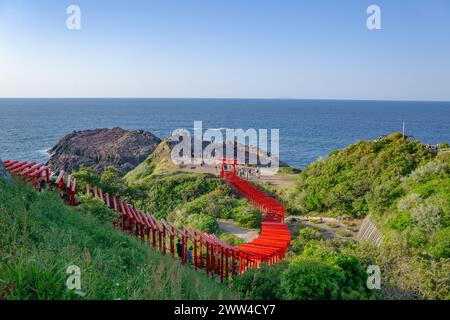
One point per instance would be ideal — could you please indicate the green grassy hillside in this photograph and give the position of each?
(421, 212)
(40, 237)
(360, 178)
(194, 199)
(405, 189)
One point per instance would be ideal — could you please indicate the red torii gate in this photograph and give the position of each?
(274, 240)
(30, 172)
(209, 252)
(227, 161)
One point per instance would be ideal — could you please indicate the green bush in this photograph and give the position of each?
(309, 234)
(333, 225)
(248, 217)
(160, 195)
(441, 244)
(311, 279)
(218, 203)
(230, 238)
(353, 285)
(97, 208)
(344, 233)
(362, 177)
(85, 176)
(203, 223)
(109, 181)
(400, 221)
(289, 170)
(263, 283)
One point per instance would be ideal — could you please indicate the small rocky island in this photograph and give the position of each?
(100, 148)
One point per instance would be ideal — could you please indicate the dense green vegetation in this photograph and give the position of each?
(405, 189)
(186, 198)
(40, 237)
(360, 178)
(321, 269)
(421, 212)
(190, 199)
(402, 186)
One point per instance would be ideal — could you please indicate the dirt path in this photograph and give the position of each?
(330, 228)
(243, 233)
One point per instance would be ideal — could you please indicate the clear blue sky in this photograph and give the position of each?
(226, 48)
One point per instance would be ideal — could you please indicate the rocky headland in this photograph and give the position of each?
(100, 148)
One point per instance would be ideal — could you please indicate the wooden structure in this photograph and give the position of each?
(202, 250)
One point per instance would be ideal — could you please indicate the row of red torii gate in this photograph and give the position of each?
(202, 250)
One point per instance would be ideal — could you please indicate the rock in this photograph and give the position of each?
(262, 158)
(100, 148)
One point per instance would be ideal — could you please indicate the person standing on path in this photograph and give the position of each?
(179, 249)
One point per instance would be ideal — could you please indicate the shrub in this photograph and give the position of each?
(311, 279)
(297, 245)
(410, 201)
(96, 208)
(417, 237)
(248, 217)
(432, 167)
(400, 221)
(203, 222)
(85, 176)
(309, 234)
(163, 194)
(263, 283)
(343, 233)
(111, 180)
(289, 170)
(230, 239)
(217, 203)
(333, 225)
(329, 252)
(441, 247)
(427, 217)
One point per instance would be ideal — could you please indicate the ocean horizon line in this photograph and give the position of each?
(218, 98)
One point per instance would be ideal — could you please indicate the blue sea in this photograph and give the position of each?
(309, 129)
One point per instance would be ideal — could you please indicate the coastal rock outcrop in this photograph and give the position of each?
(100, 148)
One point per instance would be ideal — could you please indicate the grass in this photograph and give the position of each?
(289, 170)
(40, 237)
(333, 225)
(343, 233)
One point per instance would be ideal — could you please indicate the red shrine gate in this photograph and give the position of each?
(274, 240)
